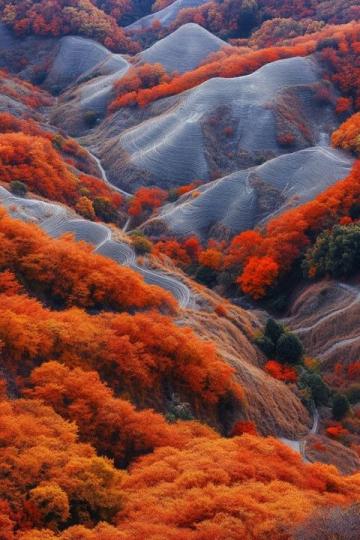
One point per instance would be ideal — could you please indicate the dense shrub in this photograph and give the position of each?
(289, 349)
(336, 252)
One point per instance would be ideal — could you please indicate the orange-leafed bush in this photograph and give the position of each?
(140, 355)
(221, 310)
(137, 78)
(12, 124)
(259, 274)
(48, 475)
(347, 136)
(187, 188)
(211, 258)
(336, 431)
(281, 372)
(34, 161)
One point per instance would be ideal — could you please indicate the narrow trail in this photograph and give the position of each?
(103, 174)
(299, 445)
(335, 313)
(57, 220)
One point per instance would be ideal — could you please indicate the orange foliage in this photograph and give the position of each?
(182, 190)
(281, 372)
(62, 17)
(68, 273)
(173, 249)
(29, 154)
(140, 355)
(347, 136)
(47, 474)
(112, 425)
(341, 58)
(13, 124)
(34, 161)
(98, 188)
(136, 78)
(211, 258)
(220, 310)
(245, 487)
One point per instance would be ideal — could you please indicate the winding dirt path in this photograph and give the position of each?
(299, 445)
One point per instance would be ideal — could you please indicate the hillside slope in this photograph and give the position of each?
(194, 135)
(241, 200)
(184, 49)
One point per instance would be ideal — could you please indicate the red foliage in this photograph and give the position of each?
(281, 372)
(343, 105)
(336, 431)
(243, 427)
(146, 199)
(354, 371)
(286, 139)
(258, 275)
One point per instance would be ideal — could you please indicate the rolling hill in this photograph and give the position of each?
(246, 198)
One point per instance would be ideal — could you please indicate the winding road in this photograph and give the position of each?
(57, 220)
